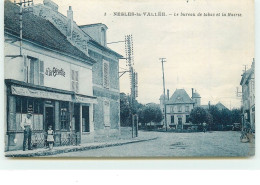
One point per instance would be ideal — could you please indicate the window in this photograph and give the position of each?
(187, 118)
(172, 119)
(64, 115)
(33, 71)
(187, 108)
(105, 74)
(172, 108)
(107, 113)
(75, 81)
(35, 106)
(179, 108)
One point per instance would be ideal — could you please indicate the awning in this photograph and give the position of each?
(23, 91)
(82, 99)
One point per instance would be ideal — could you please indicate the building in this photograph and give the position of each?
(179, 107)
(52, 79)
(248, 95)
(91, 39)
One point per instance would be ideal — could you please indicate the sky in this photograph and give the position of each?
(207, 53)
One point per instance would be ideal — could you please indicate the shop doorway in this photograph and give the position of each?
(76, 123)
(49, 117)
(85, 119)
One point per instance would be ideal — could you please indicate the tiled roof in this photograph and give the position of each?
(39, 30)
(180, 96)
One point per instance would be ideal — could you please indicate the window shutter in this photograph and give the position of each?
(41, 72)
(106, 74)
(76, 81)
(25, 68)
(72, 80)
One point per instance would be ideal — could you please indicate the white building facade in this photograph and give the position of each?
(51, 79)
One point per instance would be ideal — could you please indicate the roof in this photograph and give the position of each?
(220, 106)
(92, 25)
(180, 96)
(196, 95)
(204, 106)
(40, 31)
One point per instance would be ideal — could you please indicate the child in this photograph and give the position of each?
(50, 137)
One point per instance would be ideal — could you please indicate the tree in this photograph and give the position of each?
(150, 113)
(214, 111)
(235, 116)
(209, 120)
(198, 115)
(124, 110)
(225, 117)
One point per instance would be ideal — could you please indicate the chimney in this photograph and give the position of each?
(168, 94)
(70, 22)
(209, 104)
(191, 93)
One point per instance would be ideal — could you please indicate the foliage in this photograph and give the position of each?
(150, 113)
(198, 115)
(124, 110)
(214, 111)
(225, 116)
(236, 116)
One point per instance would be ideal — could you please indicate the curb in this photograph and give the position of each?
(79, 148)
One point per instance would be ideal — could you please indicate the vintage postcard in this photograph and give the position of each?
(121, 78)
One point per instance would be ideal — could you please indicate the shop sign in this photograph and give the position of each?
(80, 99)
(22, 91)
(54, 72)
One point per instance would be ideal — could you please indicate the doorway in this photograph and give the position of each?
(49, 117)
(179, 123)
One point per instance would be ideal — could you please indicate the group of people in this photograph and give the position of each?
(26, 125)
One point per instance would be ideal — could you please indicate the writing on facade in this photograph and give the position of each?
(54, 72)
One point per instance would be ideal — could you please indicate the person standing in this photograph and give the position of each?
(26, 125)
(50, 137)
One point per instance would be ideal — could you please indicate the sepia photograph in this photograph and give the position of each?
(129, 79)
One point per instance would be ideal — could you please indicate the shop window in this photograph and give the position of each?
(75, 81)
(107, 113)
(64, 115)
(24, 105)
(18, 105)
(34, 71)
(106, 74)
(34, 106)
(172, 119)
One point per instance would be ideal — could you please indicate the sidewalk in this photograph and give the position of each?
(66, 149)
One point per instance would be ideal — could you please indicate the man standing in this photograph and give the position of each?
(26, 125)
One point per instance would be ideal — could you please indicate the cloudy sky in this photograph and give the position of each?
(202, 52)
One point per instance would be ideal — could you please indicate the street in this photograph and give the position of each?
(197, 144)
